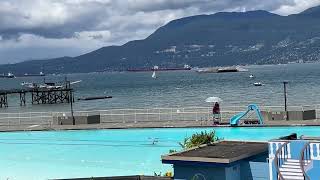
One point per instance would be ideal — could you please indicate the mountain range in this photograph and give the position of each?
(221, 39)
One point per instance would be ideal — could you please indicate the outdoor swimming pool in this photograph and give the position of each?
(87, 153)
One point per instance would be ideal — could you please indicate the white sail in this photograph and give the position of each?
(154, 74)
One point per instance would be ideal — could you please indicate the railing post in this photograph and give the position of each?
(135, 116)
(315, 151)
(19, 116)
(196, 115)
(311, 151)
(159, 115)
(111, 114)
(271, 154)
(8, 115)
(44, 117)
(51, 119)
(42, 121)
(288, 151)
(183, 114)
(147, 114)
(123, 117)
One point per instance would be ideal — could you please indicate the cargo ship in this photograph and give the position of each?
(157, 68)
(32, 75)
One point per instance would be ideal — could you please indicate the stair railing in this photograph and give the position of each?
(305, 159)
(280, 158)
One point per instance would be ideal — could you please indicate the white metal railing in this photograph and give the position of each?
(136, 115)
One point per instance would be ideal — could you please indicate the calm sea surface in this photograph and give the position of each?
(182, 88)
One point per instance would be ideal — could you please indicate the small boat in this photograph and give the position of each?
(154, 75)
(251, 76)
(10, 75)
(257, 84)
(28, 85)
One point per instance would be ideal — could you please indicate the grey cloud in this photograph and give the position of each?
(90, 24)
(246, 5)
(158, 5)
(53, 18)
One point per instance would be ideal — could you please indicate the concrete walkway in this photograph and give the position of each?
(162, 124)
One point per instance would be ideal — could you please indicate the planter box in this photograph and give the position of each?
(67, 120)
(293, 115)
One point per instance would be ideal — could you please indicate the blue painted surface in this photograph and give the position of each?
(314, 172)
(259, 171)
(233, 173)
(254, 168)
(296, 146)
(189, 172)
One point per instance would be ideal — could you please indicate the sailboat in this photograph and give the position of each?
(154, 75)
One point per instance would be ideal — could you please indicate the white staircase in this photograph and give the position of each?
(291, 170)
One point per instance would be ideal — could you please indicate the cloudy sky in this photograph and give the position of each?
(36, 29)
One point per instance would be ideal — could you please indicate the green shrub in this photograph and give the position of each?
(198, 139)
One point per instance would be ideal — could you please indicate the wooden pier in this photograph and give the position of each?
(38, 96)
(3, 100)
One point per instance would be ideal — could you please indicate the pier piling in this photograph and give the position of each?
(3, 100)
(38, 96)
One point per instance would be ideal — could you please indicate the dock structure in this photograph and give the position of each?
(38, 96)
(53, 96)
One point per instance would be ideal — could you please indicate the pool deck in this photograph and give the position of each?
(162, 124)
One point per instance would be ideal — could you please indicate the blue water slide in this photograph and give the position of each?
(236, 118)
(234, 121)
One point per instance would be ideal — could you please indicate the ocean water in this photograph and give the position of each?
(182, 88)
(71, 154)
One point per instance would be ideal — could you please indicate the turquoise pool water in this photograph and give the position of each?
(66, 154)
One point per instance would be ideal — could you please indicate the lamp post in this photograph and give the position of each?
(285, 99)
